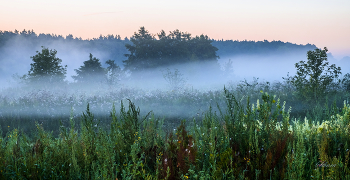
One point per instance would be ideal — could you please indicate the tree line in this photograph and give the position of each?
(151, 51)
(145, 52)
(315, 77)
(114, 45)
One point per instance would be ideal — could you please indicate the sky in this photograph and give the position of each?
(321, 22)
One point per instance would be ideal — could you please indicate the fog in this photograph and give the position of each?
(17, 51)
(202, 85)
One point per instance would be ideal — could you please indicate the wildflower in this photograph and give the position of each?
(185, 176)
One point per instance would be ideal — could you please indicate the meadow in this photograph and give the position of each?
(245, 130)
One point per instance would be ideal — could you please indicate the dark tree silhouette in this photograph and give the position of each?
(46, 67)
(91, 71)
(178, 47)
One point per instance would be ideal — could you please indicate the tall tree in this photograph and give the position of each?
(177, 47)
(141, 52)
(46, 67)
(346, 82)
(91, 71)
(315, 78)
(202, 49)
(114, 73)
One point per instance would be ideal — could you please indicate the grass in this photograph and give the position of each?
(237, 137)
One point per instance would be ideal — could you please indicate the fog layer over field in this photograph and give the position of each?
(17, 61)
(15, 57)
(150, 89)
(200, 85)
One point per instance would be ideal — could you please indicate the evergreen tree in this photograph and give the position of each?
(91, 71)
(142, 52)
(178, 47)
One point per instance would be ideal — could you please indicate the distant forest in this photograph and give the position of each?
(114, 45)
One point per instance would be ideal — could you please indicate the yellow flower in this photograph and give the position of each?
(186, 176)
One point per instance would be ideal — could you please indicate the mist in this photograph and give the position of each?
(148, 89)
(16, 61)
(15, 57)
(201, 84)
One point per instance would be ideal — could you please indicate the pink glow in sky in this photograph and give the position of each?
(319, 22)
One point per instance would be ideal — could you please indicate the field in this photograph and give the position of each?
(246, 130)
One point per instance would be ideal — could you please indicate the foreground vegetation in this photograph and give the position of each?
(239, 141)
(245, 134)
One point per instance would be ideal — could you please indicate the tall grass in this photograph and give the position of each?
(241, 140)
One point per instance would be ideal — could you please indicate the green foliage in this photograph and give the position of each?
(91, 71)
(315, 78)
(246, 141)
(177, 47)
(46, 67)
(114, 45)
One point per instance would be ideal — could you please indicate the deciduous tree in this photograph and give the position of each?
(46, 67)
(315, 78)
(114, 73)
